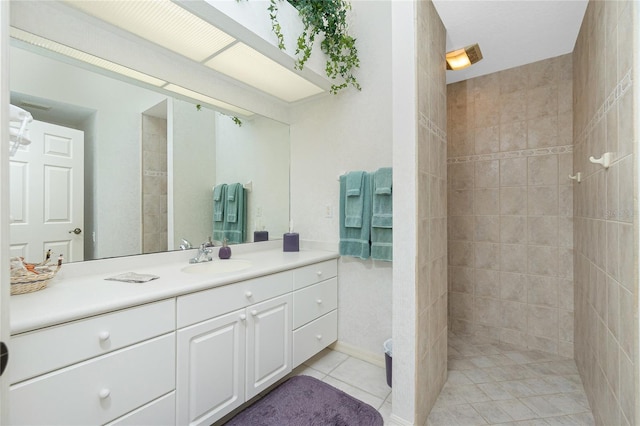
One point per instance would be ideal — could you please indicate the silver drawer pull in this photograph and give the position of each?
(243, 317)
(248, 294)
(104, 336)
(319, 336)
(319, 301)
(254, 312)
(104, 393)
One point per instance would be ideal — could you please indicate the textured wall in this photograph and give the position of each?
(431, 271)
(510, 206)
(606, 218)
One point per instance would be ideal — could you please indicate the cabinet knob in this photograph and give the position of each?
(104, 393)
(319, 301)
(248, 294)
(319, 273)
(243, 317)
(254, 312)
(319, 336)
(104, 336)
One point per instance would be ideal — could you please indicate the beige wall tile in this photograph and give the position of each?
(542, 200)
(487, 283)
(542, 291)
(487, 256)
(513, 229)
(487, 229)
(542, 131)
(513, 287)
(513, 172)
(461, 228)
(462, 279)
(513, 258)
(487, 174)
(543, 170)
(486, 201)
(513, 201)
(542, 260)
(487, 139)
(543, 230)
(513, 136)
(542, 321)
(542, 101)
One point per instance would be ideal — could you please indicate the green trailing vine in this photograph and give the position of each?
(327, 17)
(236, 120)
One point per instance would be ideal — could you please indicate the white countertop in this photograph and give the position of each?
(82, 291)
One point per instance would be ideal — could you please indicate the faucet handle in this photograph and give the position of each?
(185, 245)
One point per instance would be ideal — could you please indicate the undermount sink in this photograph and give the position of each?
(217, 266)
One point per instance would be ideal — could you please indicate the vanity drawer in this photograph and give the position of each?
(161, 412)
(314, 337)
(48, 349)
(314, 301)
(203, 305)
(315, 273)
(98, 390)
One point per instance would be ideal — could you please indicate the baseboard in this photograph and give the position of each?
(356, 352)
(395, 420)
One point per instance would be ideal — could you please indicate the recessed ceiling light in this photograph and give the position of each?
(161, 22)
(82, 56)
(463, 58)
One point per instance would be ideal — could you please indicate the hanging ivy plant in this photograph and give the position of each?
(329, 18)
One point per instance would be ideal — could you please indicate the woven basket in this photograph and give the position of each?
(28, 282)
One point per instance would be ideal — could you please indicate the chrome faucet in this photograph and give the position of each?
(204, 254)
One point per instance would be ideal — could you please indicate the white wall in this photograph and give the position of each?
(192, 132)
(258, 151)
(115, 190)
(336, 134)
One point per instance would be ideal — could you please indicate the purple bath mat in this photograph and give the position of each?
(306, 401)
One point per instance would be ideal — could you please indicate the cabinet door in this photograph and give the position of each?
(210, 372)
(268, 343)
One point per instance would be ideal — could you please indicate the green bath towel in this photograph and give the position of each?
(382, 217)
(219, 201)
(354, 199)
(355, 241)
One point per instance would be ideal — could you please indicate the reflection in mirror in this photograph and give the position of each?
(150, 164)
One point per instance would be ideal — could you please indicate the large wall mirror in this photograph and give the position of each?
(147, 167)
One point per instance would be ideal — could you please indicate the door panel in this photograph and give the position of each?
(47, 193)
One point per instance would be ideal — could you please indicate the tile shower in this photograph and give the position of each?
(510, 206)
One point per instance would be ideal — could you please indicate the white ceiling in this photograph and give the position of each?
(510, 32)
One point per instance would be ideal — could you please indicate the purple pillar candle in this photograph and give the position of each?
(260, 236)
(291, 241)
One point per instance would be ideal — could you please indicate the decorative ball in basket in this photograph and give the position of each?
(29, 277)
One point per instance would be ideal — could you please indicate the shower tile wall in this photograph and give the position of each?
(606, 228)
(431, 277)
(510, 206)
(154, 184)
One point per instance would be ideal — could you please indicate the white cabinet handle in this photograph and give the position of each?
(254, 312)
(319, 273)
(319, 301)
(319, 336)
(248, 294)
(104, 336)
(243, 317)
(104, 393)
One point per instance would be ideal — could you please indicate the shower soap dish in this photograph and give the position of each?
(29, 277)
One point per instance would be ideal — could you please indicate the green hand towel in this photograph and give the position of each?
(355, 241)
(219, 195)
(234, 231)
(354, 199)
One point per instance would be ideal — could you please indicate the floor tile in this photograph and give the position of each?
(516, 409)
(466, 415)
(363, 375)
(374, 401)
(326, 360)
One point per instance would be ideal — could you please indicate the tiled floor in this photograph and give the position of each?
(491, 384)
(488, 384)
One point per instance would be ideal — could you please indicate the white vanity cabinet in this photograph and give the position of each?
(230, 357)
(315, 303)
(95, 370)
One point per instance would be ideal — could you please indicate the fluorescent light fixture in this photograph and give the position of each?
(206, 99)
(255, 69)
(161, 22)
(82, 56)
(463, 58)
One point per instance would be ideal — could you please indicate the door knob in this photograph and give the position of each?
(76, 231)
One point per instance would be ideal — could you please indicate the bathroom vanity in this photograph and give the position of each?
(183, 349)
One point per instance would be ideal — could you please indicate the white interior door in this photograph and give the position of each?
(47, 194)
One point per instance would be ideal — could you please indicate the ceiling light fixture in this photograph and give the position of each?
(463, 58)
(70, 52)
